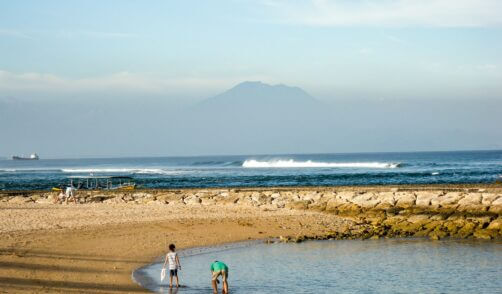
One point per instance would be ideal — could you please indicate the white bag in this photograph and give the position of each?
(162, 274)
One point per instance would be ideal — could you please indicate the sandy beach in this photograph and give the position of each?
(93, 246)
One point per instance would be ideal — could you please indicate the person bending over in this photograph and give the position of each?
(219, 268)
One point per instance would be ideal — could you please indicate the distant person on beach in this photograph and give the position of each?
(61, 197)
(174, 264)
(219, 268)
(70, 193)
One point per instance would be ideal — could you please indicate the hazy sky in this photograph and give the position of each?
(113, 78)
(369, 49)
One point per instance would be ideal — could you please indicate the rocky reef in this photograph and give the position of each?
(435, 212)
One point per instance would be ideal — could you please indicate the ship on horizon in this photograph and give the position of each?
(33, 156)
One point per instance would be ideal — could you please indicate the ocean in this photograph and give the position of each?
(460, 167)
(344, 266)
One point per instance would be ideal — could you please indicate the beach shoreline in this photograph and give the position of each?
(93, 247)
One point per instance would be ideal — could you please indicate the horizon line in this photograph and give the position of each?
(259, 154)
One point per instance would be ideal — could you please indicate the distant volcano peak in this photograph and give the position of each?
(261, 85)
(256, 94)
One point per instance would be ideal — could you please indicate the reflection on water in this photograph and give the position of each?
(350, 266)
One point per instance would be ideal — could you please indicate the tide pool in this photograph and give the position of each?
(347, 266)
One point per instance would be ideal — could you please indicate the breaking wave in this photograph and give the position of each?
(118, 170)
(217, 163)
(29, 170)
(309, 163)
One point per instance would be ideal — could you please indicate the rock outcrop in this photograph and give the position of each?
(434, 212)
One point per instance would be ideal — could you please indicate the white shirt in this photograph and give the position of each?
(69, 191)
(171, 259)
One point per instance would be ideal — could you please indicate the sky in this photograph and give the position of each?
(174, 53)
(331, 48)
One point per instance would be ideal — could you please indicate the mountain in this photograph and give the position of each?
(250, 117)
(252, 96)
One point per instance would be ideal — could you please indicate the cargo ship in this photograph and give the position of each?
(33, 156)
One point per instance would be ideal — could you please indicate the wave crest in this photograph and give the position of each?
(118, 170)
(290, 163)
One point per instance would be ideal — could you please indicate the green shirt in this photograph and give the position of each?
(218, 266)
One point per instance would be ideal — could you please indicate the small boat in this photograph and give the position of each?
(33, 156)
(100, 183)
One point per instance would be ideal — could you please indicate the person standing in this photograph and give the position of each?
(174, 264)
(219, 268)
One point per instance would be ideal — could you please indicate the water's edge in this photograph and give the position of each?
(143, 280)
(447, 246)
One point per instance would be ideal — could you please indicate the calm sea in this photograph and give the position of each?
(348, 266)
(264, 170)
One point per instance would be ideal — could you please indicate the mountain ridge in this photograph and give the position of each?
(256, 94)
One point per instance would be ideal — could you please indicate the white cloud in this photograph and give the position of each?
(120, 82)
(389, 13)
(13, 33)
(91, 34)
(487, 67)
(67, 34)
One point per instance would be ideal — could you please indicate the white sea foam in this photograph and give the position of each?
(155, 171)
(435, 173)
(28, 169)
(290, 163)
(118, 170)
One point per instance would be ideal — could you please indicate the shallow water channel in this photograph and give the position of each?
(348, 266)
